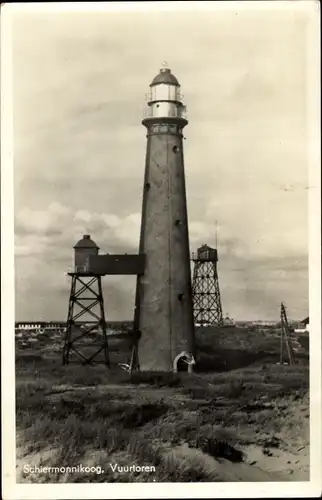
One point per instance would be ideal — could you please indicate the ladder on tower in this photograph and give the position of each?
(285, 338)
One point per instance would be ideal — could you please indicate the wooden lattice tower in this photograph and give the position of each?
(285, 338)
(205, 288)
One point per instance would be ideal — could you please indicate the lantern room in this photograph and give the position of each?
(205, 253)
(84, 248)
(165, 99)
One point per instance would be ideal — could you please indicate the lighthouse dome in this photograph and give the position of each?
(86, 242)
(165, 76)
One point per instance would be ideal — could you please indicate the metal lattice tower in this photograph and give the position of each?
(86, 329)
(86, 335)
(285, 338)
(205, 288)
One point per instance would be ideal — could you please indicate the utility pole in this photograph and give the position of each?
(285, 338)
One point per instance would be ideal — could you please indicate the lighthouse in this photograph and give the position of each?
(164, 309)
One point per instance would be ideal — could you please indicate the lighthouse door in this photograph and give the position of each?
(180, 362)
(182, 365)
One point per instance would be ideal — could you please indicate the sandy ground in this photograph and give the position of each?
(288, 462)
(291, 462)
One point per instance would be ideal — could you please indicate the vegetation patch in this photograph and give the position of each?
(168, 420)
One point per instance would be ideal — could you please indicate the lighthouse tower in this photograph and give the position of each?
(164, 310)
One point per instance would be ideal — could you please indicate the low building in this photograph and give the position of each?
(227, 321)
(303, 326)
(39, 326)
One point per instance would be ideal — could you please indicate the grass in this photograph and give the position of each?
(94, 415)
(226, 349)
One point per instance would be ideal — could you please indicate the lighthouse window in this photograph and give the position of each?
(175, 149)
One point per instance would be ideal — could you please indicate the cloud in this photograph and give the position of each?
(58, 228)
(79, 86)
(44, 253)
(44, 243)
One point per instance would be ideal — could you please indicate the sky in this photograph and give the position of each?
(79, 85)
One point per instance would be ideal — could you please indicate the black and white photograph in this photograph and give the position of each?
(161, 249)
